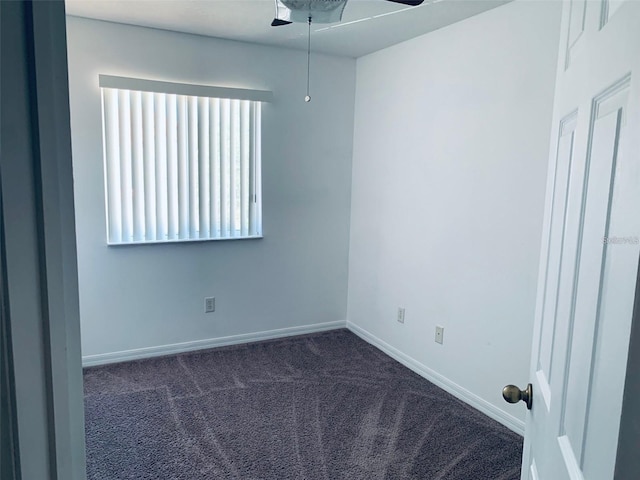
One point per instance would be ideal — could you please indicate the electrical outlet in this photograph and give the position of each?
(439, 334)
(209, 304)
(400, 314)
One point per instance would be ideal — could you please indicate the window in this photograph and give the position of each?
(181, 162)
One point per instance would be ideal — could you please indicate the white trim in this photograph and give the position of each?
(148, 352)
(441, 381)
(143, 85)
(534, 471)
(570, 460)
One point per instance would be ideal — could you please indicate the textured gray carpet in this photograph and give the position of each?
(321, 406)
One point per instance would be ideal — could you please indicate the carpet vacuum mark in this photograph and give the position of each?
(320, 406)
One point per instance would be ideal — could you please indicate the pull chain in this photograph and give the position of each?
(307, 98)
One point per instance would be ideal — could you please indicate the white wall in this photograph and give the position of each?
(149, 296)
(450, 154)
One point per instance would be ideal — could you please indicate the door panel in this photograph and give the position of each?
(556, 249)
(609, 8)
(577, 18)
(605, 135)
(618, 278)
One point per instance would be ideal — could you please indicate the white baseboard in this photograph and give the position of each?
(453, 388)
(148, 352)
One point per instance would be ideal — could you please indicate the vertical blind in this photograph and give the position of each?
(179, 167)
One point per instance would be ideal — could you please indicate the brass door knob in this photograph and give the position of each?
(513, 394)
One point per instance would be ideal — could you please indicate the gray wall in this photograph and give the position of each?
(628, 460)
(136, 297)
(449, 171)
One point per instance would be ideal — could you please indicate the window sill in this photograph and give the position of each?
(182, 240)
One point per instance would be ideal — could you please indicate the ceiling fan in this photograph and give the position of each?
(318, 11)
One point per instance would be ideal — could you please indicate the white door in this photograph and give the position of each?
(590, 246)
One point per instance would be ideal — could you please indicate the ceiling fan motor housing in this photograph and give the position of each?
(320, 11)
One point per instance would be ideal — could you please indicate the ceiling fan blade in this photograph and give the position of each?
(278, 23)
(411, 3)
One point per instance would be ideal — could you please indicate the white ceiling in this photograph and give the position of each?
(378, 23)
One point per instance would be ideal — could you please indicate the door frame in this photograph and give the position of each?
(40, 275)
